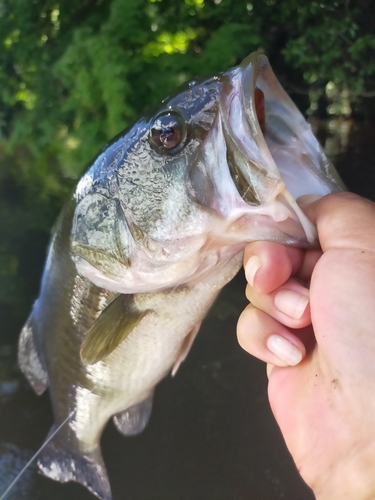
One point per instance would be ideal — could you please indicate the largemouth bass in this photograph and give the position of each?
(155, 228)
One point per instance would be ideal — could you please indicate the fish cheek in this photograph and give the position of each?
(164, 195)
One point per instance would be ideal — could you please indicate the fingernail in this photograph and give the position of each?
(291, 303)
(251, 268)
(286, 351)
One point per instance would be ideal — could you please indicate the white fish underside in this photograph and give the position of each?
(130, 373)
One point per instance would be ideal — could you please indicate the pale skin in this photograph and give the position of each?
(312, 320)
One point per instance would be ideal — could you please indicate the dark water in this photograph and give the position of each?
(211, 434)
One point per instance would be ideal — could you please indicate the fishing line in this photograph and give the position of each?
(35, 455)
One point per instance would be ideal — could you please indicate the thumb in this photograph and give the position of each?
(343, 220)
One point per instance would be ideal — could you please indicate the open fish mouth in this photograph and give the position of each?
(271, 153)
(219, 164)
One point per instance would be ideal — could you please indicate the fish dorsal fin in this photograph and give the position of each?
(185, 348)
(111, 328)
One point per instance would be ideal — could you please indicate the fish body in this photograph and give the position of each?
(155, 228)
(124, 380)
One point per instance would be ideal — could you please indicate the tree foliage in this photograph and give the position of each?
(80, 77)
(73, 74)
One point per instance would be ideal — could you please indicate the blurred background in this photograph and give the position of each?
(73, 75)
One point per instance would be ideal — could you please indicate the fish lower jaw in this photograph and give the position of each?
(280, 219)
(147, 276)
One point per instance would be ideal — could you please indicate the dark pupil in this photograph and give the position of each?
(167, 134)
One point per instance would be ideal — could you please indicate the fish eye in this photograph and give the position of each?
(167, 132)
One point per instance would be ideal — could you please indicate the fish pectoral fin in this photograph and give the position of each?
(29, 359)
(185, 348)
(61, 464)
(111, 328)
(133, 421)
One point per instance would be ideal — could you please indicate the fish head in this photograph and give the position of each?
(218, 164)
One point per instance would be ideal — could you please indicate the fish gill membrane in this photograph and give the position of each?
(155, 228)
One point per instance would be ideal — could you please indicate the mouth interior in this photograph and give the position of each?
(286, 136)
(259, 108)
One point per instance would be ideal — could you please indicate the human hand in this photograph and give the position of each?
(312, 319)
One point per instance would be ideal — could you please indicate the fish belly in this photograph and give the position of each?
(85, 397)
(128, 375)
